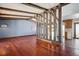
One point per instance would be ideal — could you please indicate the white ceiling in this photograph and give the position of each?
(46, 5)
(70, 11)
(22, 7)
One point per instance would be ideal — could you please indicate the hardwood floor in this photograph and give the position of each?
(29, 46)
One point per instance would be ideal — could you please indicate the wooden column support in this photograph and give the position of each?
(50, 26)
(60, 23)
(55, 25)
(46, 25)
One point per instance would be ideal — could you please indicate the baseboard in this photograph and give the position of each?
(16, 36)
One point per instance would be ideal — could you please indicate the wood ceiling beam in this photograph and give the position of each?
(12, 18)
(35, 6)
(16, 15)
(62, 4)
(17, 10)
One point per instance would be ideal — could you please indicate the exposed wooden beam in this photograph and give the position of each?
(62, 4)
(16, 15)
(52, 14)
(12, 18)
(17, 10)
(43, 17)
(35, 6)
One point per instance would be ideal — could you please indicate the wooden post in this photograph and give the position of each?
(40, 27)
(44, 29)
(50, 26)
(55, 27)
(36, 25)
(60, 23)
(46, 25)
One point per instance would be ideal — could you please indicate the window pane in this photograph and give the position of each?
(77, 30)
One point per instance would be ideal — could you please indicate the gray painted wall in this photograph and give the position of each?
(17, 28)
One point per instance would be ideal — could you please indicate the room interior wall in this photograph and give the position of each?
(17, 28)
(68, 28)
(69, 33)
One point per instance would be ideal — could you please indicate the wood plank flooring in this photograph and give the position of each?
(29, 46)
